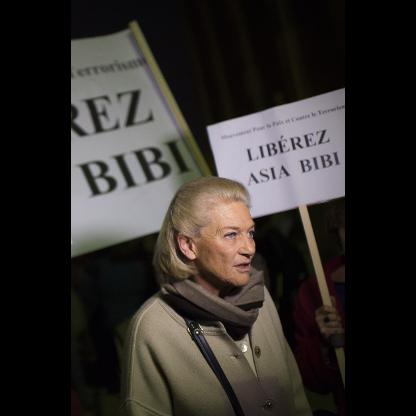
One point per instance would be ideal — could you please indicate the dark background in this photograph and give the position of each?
(224, 59)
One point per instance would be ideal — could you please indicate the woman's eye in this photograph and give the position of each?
(252, 233)
(231, 235)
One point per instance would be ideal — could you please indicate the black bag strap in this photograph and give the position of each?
(197, 335)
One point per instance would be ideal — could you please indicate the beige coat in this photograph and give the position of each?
(164, 372)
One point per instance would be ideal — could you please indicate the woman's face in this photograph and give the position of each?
(225, 247)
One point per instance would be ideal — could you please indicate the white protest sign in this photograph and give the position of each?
(286, 156)
(128, 156)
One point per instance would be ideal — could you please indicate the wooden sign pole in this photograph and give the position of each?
(319, 271)
(170, 99)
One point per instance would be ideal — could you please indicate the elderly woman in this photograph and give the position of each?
(209, 289)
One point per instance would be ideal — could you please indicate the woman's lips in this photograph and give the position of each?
(243, 267)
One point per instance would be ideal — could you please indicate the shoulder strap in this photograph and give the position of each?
(197, 335)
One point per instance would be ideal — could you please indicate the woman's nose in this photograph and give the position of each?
(248, 248)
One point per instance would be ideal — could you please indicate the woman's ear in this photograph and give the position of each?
(187, 246)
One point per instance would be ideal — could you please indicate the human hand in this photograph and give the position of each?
(328, 320)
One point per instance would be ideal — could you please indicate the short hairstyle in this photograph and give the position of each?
(188, 212)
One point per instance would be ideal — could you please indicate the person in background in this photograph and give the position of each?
(315, 324)
(203, 261)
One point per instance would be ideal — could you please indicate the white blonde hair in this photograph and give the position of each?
(188, 212)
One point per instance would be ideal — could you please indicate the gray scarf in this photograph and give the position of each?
(237, 310)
